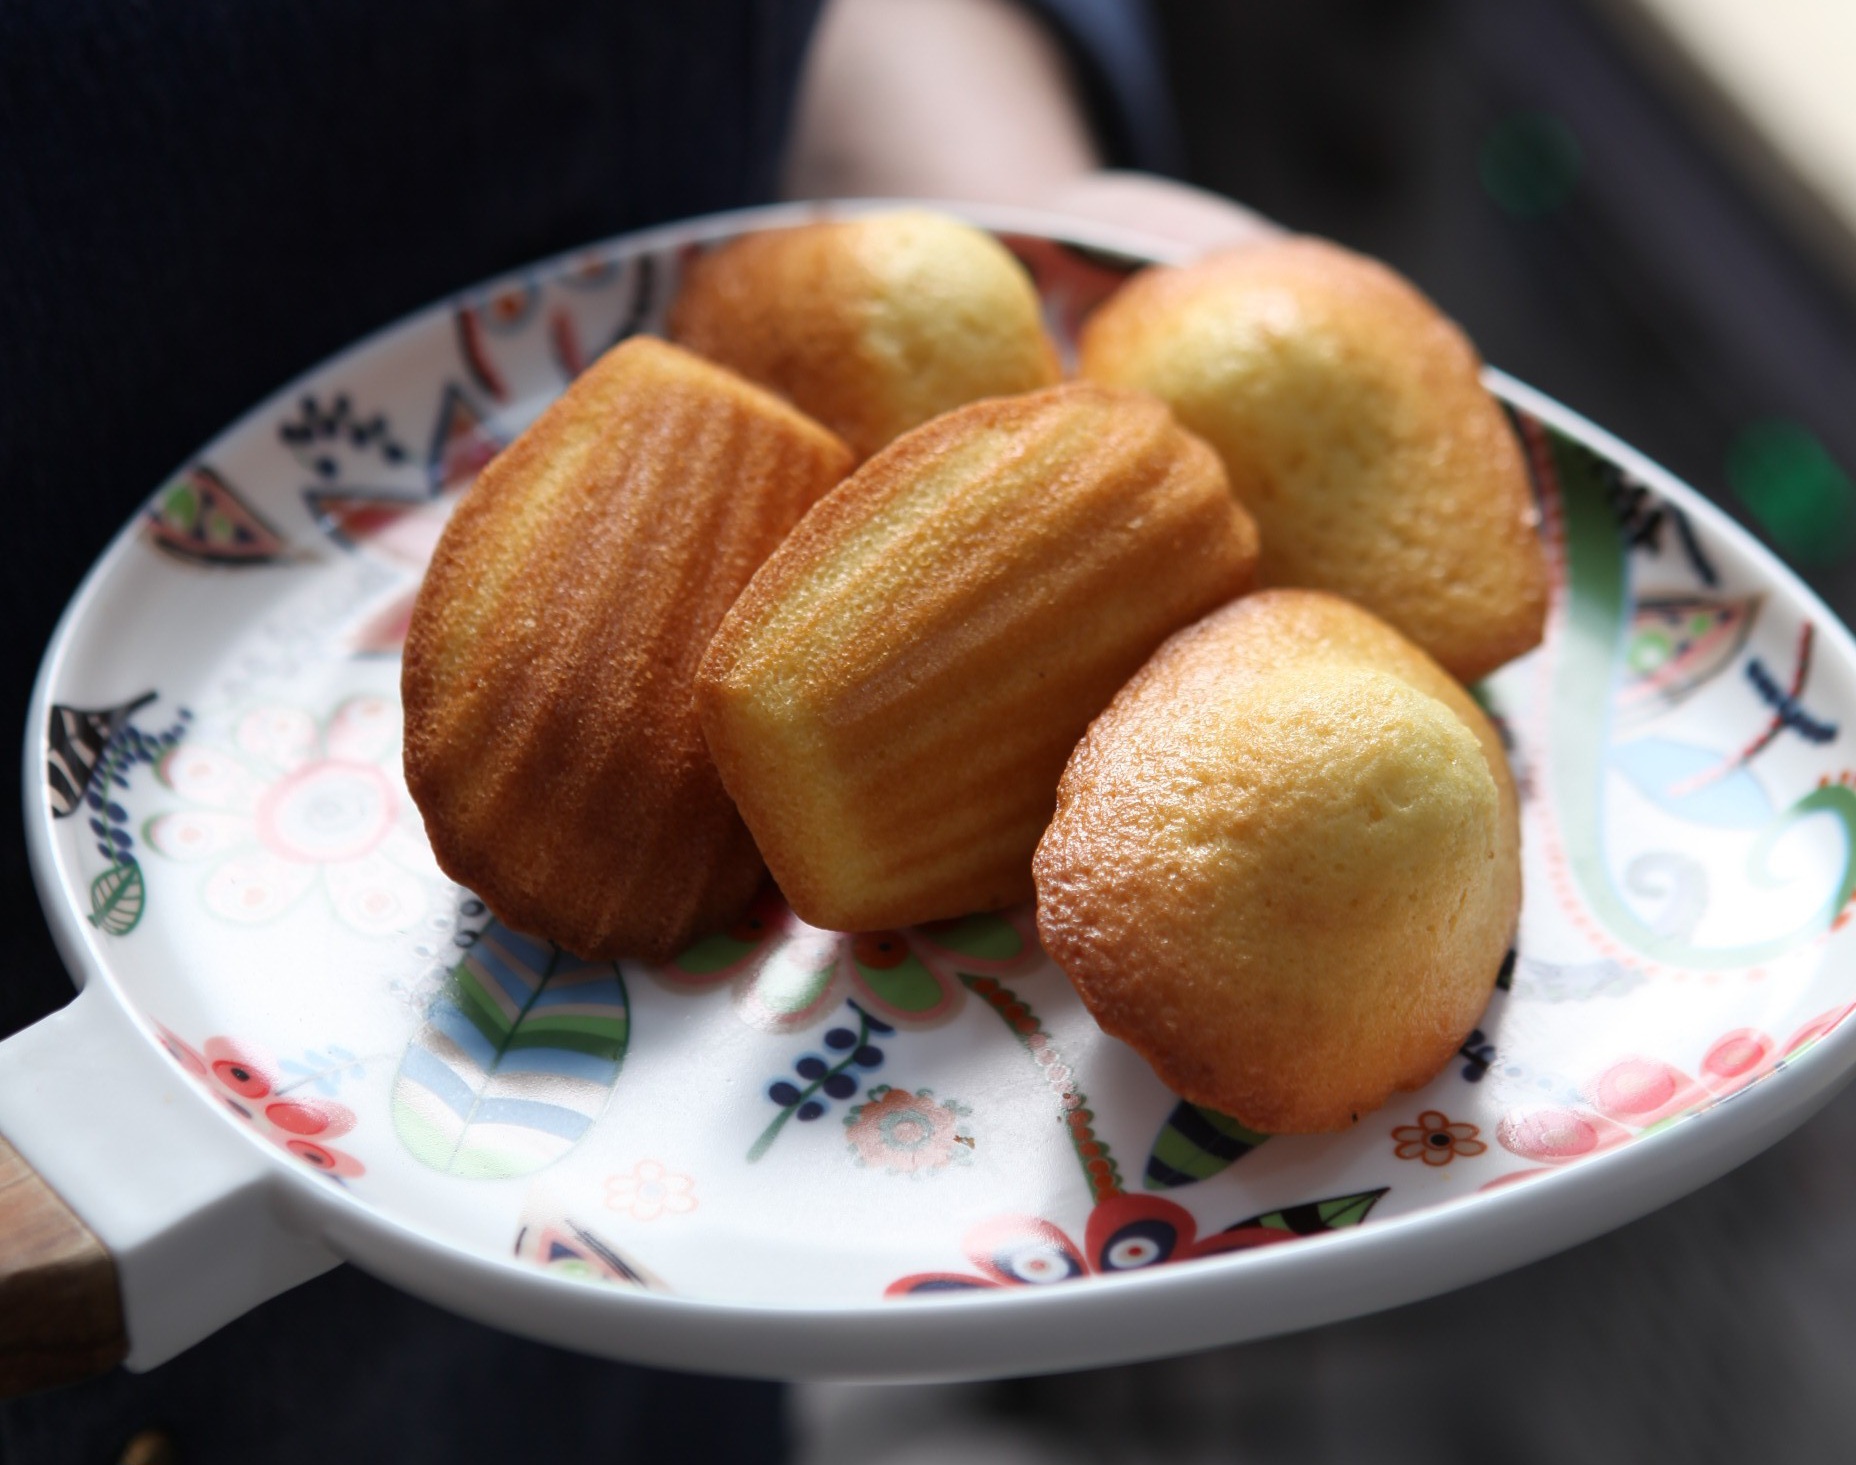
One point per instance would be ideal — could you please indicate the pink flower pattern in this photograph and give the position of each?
(245, 1081)
(295, 804)
(908, 1133)
(1637, 1095)
(650, 1191)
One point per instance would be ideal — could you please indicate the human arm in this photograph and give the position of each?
(973, 100)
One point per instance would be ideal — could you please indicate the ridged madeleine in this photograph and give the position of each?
(551, 743)
(1352, 420)
(892, 699)
(872, 325)
(1285, 863)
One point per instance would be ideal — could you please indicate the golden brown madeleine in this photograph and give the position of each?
(1285, 864)
(872, 325)
(550, 739)
(892, 699)
(1354, 425)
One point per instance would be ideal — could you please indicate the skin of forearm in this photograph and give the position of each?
(973, 100)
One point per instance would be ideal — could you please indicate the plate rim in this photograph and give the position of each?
(987, 1332)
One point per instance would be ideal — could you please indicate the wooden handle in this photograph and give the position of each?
(60, 1307)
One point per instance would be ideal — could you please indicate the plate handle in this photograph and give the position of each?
(134, 1220)
(60, 1309)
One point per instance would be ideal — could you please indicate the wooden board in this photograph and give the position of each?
(60, 1308)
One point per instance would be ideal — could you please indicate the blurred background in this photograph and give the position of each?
(1648, 212)
(1646, 208)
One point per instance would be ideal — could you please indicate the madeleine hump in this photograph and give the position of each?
(873, 325)
(551, 743)
(1352, 420)
(1285, 865)
(892, 699)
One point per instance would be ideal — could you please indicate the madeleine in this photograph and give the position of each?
(871, 325)
(1285, 864)
(1352, 420)
(893, 698)
(551, 742)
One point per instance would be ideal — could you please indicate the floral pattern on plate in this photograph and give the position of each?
(909, 1133)
(786, 974)
(297, 802)
(1125, 1233)
(246, 1082)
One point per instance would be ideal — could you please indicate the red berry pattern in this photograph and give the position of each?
(245, 1081)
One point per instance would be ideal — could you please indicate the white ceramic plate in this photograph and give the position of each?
(907, 1155)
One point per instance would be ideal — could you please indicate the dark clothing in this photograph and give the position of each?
(200, 200)
(347, 1371)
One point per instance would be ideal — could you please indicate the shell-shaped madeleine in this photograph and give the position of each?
(892, 699)
(1285, 863)
(1353, 423)
(871, 325)
(551, 743)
